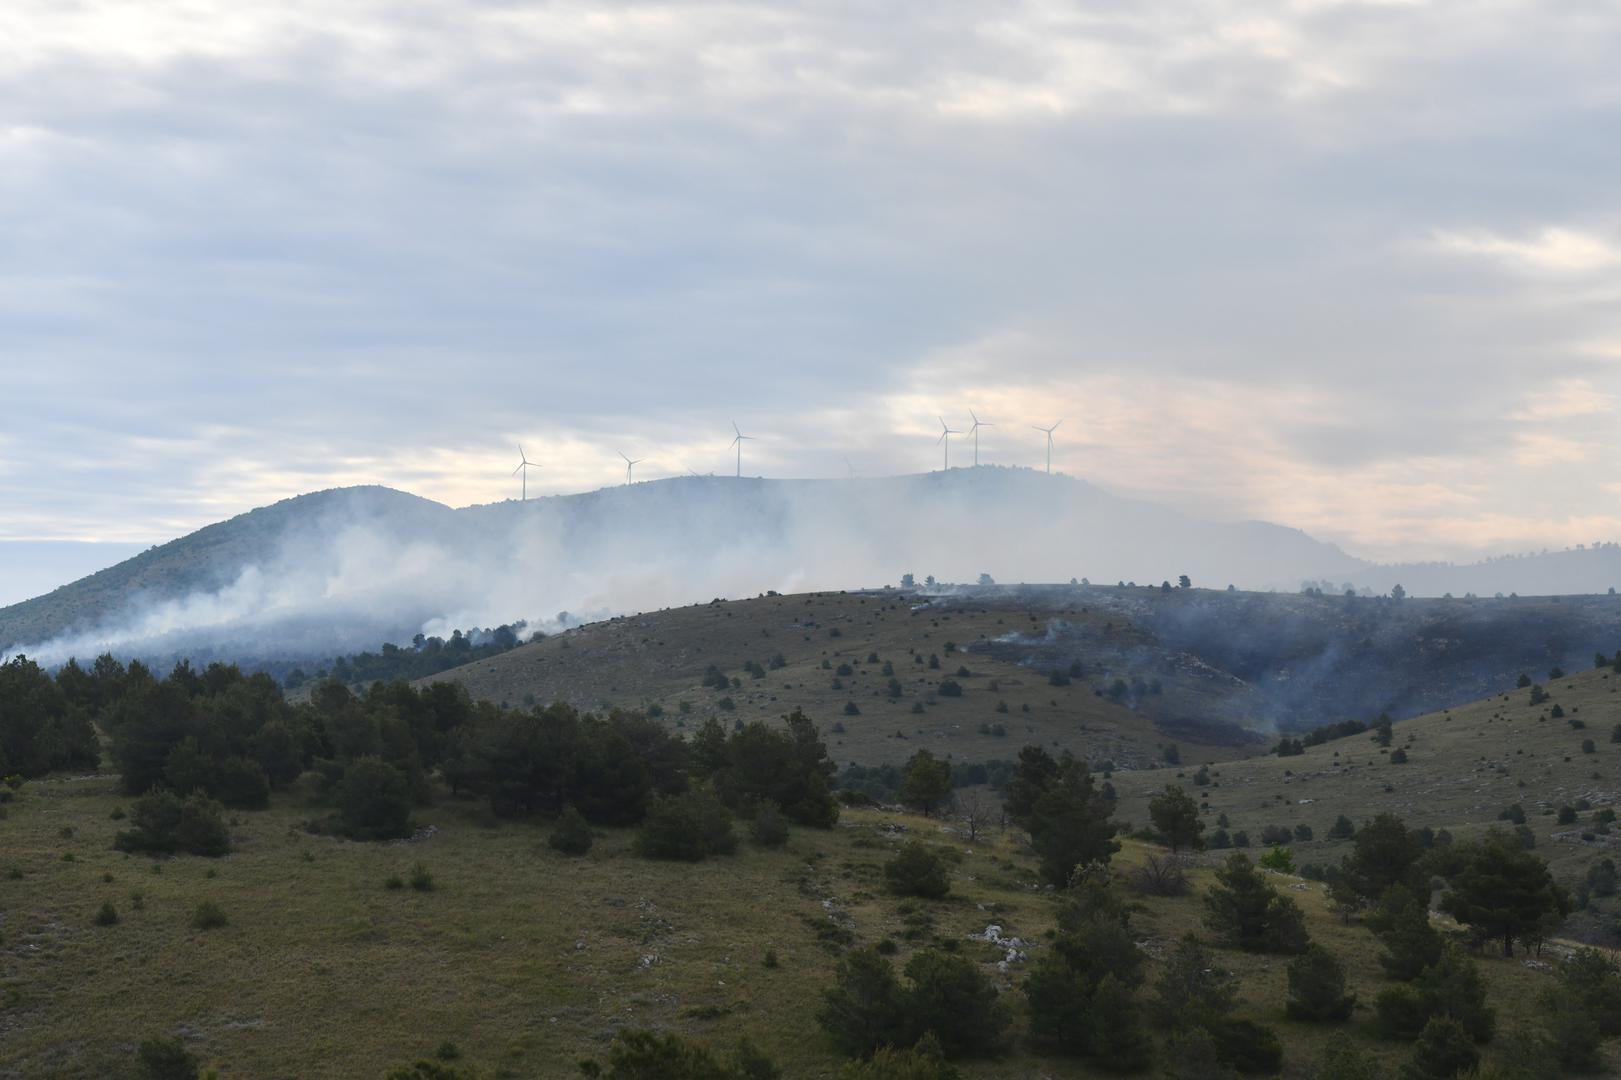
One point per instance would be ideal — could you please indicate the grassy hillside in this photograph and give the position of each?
(207, 560)
(659, 659)
(1464, 766)
(525, 959)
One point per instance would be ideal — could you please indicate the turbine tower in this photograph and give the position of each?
(973, 429)
(946, 432)
(738, 442)
(1049, 431)
(630, 463)
(524, 465)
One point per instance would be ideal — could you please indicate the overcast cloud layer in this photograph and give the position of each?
(1353, 267)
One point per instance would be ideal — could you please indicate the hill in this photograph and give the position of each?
(341, 570)
(1136, 669)
(1464, 768)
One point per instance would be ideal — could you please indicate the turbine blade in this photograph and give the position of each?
(518, 470)
(1055, 426)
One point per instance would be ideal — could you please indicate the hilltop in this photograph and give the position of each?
(340, 570)
(1114, 674)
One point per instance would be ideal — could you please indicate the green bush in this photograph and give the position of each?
(165, 1059)
(952, 998)
(916, 870)
(572, 834)
(422, 878)
(1247, 1047)
(687, 827)
(374, 801)
(107, 915)
(651, 1055)
(165, 823)
(1245, 911)
(1317, 988)
(925, 1061)
(208, 916)
(769, 828)
(1444, 1051)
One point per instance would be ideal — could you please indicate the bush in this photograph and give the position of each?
(1317, 988)
(687, 827)
(108, 915)
(164, 823)
(1247, 1047)
(572, 834)
(1162, 876)
(769, 828)
(917, 871)
(422, 878)
(374, 801)
(165, 1059)
(208, 916)
(241, 784)
(652, 1055)
(1247, 912)
(925, 1061)
(1443, 1052)
(949, 688)
(952, 998)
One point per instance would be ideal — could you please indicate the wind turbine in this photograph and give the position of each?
(973, 429)
(851, 467)
(946, 432)
(630, 463)
(738, 442)
(524, 465)
(1049, 431)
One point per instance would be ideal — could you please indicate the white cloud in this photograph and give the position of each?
(1553, 249)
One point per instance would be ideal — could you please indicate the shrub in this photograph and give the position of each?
(165, 1059)
(165, 823)
(1162, 876)
(952, 998)
(374, 801)
(769, 828)
(1278, 859)
(1175, 814)
(917, 871)
(108, 915)
(865, 1009)
(208, 916)
(422, 878)
(949, 688)
(652, 1055)
(1443, 1052)
(242, 784)
(1317, 988)
(572, 834)
(394, 882)
(687, 827)
(925, 1061)
(1244, 910)
(1343, 829)
(1247, 1047)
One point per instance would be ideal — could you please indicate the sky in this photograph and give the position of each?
(1352, 267)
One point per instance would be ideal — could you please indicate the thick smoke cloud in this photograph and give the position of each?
(345, 570)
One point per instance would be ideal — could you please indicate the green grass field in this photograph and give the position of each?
(525, 959)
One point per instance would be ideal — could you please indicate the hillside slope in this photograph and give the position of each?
(342, 570)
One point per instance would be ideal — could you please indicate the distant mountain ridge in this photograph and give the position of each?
(345, 569)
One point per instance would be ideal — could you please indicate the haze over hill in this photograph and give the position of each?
(345, 569)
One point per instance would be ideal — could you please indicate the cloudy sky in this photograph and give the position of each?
(1354, 267)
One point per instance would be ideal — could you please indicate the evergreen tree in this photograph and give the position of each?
(1175, 814)
(1444, 1051)
(1245, 911)
(926, 783)
(1317, 988)
(1502, 891)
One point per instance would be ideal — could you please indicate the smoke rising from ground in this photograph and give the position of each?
(345, 570)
